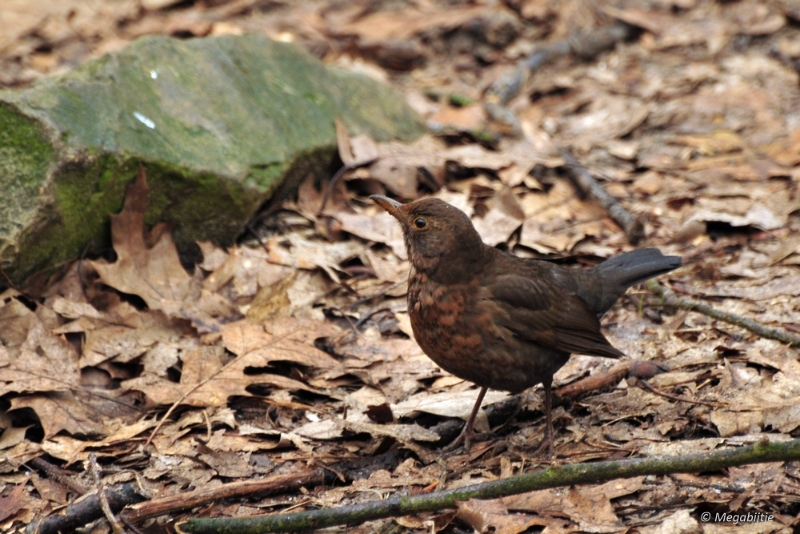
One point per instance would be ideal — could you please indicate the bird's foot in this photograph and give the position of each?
(545, 444)
(468, 431)
(465, 438)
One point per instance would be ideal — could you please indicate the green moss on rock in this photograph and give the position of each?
(221, 123)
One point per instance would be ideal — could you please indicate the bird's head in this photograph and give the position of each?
(436, 232)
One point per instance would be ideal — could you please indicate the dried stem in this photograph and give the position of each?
(59, 475)
(86, 510)
(583, 45)
(672, 299)
(588, 186)
(203, 496)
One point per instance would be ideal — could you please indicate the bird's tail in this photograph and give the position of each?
(637, 266)
(620, 272)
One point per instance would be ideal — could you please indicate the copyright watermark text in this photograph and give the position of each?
(736, 519)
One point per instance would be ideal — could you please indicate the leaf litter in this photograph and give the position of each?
(263, 361)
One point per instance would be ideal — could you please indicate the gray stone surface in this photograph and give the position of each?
(220, 123)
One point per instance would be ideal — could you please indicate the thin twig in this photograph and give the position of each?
(261, 242)
(85, 511)
(597, 381)
(672, 299)
(198, 386)
(203, 496)
(646, 385)
(79, 268)
(59, 475)
(8, 280)
(566, 475)
(510, 84)
(95, 470)
(380, 293)
(329, 190)
(586, 183)
(701, 485)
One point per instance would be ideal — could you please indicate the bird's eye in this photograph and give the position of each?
(420, 223)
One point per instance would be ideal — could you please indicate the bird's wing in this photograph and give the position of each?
(549, 315)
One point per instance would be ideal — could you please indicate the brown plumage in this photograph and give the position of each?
(501, 321)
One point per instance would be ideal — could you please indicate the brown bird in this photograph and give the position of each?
(501, 321)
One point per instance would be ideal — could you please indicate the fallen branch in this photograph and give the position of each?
(111, 517)
(644, 384)
(59, 475)
(584, 45)
(588, 186)
(86, 510)
(566, 475)
(245, 488)
(672, 299)
(277, 484)
(640, 369)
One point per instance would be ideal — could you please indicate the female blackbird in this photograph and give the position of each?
(501, 321)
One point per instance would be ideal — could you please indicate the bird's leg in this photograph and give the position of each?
(549, 436)
(466, 435)
(548, 409)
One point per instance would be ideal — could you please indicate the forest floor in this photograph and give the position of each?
(687, 112)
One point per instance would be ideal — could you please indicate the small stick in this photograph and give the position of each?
(85, 510)
(261, 242)
(596, 382)
(8, 280)
(646, 385)
(195, 388)
(684, 303)
(79, 268)
(95, 469)
(245, 488)
(586, 183)
(329, 190)
(59, 475)
(583, 45)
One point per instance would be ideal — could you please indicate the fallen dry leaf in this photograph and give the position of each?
(154, 272)
(42, 363)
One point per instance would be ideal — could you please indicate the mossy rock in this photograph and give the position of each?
(220, 123)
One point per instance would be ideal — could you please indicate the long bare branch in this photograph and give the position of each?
(565, 475)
